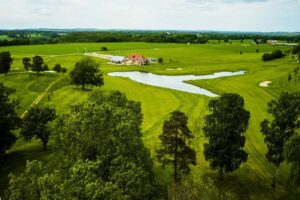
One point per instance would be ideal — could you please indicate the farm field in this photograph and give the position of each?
(251, 181)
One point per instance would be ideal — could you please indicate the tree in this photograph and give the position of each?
(98, 153)
(35, 123)
(63, 70)
(57, 68)
(225, 128)
(45, 67)
(26, 63)
(37, 64)
(5, 62)
(290, 78)
(274, 55)
(277, 54)
(266, 57)
(296, 49)
(285, 111)
(104, 49)
(174, 148)
(160, 60)
(291, 153)
(87, 72)
(9, 120)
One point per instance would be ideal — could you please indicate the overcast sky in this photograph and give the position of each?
(226, 15)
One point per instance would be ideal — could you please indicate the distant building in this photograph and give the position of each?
(117, 59)
(272, 42)
(152, 60)
(287, 44)
(137, 59)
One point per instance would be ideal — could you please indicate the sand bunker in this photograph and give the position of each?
(265, 84)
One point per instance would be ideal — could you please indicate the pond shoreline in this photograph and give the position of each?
(176, 82)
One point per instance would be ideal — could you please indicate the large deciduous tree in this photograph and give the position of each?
(175, 149)
(225, 128)
(87, 72)
(285, 111)
(5, 62)
(292, 155)
(9, 120)
(26, 63)
(98, 153)
(37, 64)
(35, 123)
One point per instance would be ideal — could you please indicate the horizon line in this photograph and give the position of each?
(128, 29)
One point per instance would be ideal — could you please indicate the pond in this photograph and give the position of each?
(175, 82)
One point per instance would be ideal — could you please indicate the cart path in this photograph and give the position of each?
(40, 97)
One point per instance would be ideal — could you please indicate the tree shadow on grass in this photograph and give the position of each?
(86, 89)
(246, 187)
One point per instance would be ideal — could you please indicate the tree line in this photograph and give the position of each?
(295, 76)
(98, 151)
(274, 55)
(19, 37)
(35, 64)
(52, 37)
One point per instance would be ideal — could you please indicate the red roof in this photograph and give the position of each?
(136, 57)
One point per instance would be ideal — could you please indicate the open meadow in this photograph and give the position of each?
(251, 181)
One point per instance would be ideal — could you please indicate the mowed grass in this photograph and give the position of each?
(252, 181)
(27, 86)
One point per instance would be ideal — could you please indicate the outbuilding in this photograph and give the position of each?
(117, 59)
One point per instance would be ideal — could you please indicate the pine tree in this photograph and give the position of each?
(174, 148)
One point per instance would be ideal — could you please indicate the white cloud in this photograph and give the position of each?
(251, 15)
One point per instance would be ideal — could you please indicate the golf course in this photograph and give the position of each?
(259, 83)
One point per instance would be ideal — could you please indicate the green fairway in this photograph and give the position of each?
(251, 181)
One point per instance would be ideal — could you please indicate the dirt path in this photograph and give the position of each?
(40, 97)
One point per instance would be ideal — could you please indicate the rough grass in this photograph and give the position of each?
(252, 181)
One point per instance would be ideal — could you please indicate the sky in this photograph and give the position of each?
(219, 15)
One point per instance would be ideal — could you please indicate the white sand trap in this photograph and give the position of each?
(172, 69)
(265, 84)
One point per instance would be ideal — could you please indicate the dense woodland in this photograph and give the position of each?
(29, 37)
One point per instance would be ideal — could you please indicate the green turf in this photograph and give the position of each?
(252, 181)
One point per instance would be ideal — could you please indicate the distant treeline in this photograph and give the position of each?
(152, 37)
(169, 37)
(50, 37)
(27, 41)
(28, 38)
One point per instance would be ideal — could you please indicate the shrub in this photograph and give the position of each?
(104, 49)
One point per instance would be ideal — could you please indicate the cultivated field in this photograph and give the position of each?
(251, 181)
